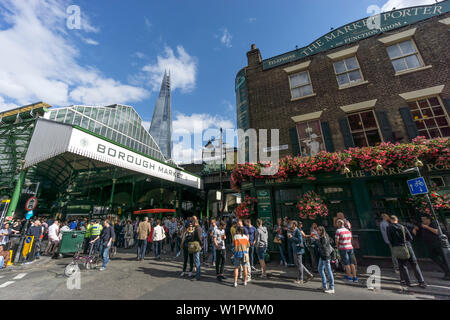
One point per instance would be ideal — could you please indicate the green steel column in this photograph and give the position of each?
(207, 208)
(111, 199)
(133, 187)
(16, 194)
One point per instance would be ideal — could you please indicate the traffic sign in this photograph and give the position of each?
(28, 215)
(27, 246)
(31, 204)
(417, 186)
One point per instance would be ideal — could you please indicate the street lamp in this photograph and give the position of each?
(443, 240)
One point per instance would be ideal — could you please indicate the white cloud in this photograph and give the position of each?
(182, 67)
(140, 55)
(194, 128)
(89, 41)
(6, 106)
(251, 20)
(148, 24)
(226, 37)
(398, 4)
(40, 62)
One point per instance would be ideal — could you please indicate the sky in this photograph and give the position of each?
(117, 51)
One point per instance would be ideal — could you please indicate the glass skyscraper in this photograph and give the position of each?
(161, 127)
(118, 123)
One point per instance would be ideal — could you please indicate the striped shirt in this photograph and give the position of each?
(345, 239)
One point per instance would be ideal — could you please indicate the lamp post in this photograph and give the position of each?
(443, 240)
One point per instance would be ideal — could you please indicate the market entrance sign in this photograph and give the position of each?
(75, 140)
(361, 29)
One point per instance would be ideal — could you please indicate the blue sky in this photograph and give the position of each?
(123, 47)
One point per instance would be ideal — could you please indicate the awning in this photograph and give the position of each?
(57, 140)
(155, 211)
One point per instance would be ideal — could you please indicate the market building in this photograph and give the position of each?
(357, 86)
(88, 161)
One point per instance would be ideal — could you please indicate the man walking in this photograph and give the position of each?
(344, 244)
(383, 227)
(262, 239)
(429, 233)
(399, 236)
(219, 245)
(158, 237)
(105, 239)
(143, 231)
(36, 231)
(172, 233)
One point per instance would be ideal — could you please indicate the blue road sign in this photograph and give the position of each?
(29, 214)
(417, 186)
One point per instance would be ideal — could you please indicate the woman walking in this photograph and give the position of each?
(187, 237)
(241, 246)
(325, 250)
(298, 249)
(279, 240)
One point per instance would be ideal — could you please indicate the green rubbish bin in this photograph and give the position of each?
(71, 241)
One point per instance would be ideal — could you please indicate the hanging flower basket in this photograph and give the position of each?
(438, 201)
(382, 157)
(311, 205)
(246, 208)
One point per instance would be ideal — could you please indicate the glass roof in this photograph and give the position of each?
(119, 123)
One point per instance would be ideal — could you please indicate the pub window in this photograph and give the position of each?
(364, 128)
(404, 56)
(430, 117)
(437, 182)
(300, 84)
(347, 71)
(310, 138)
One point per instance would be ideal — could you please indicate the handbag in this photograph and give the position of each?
(277, 240)
(401, 252)
(194, 247)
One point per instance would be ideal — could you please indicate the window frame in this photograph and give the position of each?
(300, 86)
(417, 53)
(350, 83)
(364, 130)
(298, 135)
(419, 108)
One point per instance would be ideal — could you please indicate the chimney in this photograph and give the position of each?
(254, 56)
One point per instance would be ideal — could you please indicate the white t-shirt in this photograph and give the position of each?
(218, 235)
(53, 232)
(158, 233)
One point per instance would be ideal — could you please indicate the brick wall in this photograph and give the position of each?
(269, 95)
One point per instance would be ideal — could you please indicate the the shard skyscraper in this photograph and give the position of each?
(161, 127)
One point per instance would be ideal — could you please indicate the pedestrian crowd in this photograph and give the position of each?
(211, 241)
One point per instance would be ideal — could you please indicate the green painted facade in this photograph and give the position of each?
(361, 196)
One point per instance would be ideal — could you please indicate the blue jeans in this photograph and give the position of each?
(2, 262)
(157, 248)
(282, 256)
(105, 254)
(324, 265)
(197, 264)
(251, 253)
(213, 250)
(142, 246)
(290, 255)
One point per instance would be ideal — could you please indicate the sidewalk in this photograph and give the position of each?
(389, 279)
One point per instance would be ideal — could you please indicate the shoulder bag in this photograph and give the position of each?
(401, 252)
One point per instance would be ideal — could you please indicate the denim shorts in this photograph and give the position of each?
(239, 262)
(346, 257)
(260, 252)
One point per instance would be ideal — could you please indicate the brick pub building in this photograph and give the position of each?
(356, 86)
